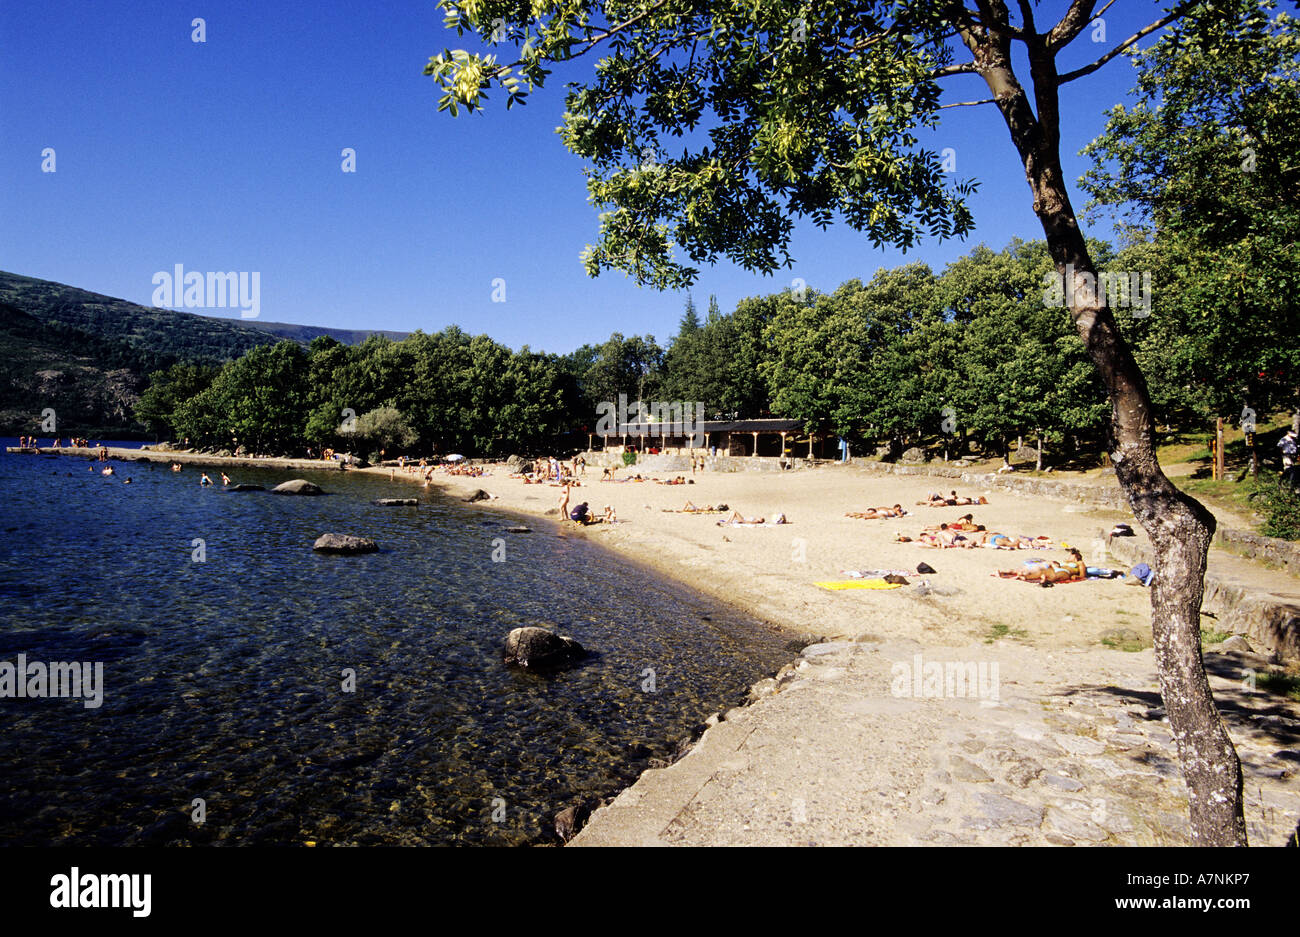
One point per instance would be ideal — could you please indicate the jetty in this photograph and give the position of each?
(123, 454)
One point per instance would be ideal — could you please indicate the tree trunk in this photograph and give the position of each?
(1180, 528)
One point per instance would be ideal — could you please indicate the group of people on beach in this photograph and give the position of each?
(554, 472)
(964, 533)
(75, 442)
(581, 513)
(937, 500)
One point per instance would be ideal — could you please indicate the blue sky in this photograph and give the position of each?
(226, 155)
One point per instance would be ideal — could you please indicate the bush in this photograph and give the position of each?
(629, 458)
(1281, 509)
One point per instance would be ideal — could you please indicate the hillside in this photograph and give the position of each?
(303, 334)
(89, 356)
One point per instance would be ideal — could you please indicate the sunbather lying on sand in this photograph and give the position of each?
(999, 541)
(871, 514)
(936, 500)
(737, 520)
(691, 508)
(1071, 570)
(945, 537)
(963, 523)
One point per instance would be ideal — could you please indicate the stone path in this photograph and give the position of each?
(828, 756)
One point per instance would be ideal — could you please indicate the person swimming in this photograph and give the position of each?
(225, 479)
(205, 481)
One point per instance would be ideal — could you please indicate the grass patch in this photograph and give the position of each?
(1265, 496)
(1279, 684)
(1123, 644)
(1210, 636)
(1004, 631)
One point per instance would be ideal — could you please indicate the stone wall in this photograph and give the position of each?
(1283, 553)
(1108, 496)
(1269, 621)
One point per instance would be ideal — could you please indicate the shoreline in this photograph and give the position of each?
(829, 752)
(1031, 747)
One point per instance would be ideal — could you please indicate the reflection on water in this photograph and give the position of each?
(225, 679)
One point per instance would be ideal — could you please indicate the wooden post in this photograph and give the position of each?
(1218, 448)
(754, 453)
(810, 441)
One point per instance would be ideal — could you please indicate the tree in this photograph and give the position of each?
(385, 427)
(256, 401)
(1204, 162)
(168, 390)
(801, 109)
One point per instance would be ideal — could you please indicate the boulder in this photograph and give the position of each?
(514, 462)
(245, 488)
(478, 494)
(297, 486)
(536, 648)
(913, 455)
(569, 820)
(396, 502)
(519, 530)
(344, 543)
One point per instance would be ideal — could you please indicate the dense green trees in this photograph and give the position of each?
(970, 358)
(1203, 166)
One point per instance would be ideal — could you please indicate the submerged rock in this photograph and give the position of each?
(245, 488)
(569, 820)
(297, 486)
(539, 649)
(396, 502)
(344, 543)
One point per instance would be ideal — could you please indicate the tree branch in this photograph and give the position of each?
(1145, 31)
(1072, 23)
(967, 68)
(967, 103)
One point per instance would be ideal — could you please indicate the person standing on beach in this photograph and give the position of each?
(564, 503)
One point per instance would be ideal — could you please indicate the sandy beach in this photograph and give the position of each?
(960, 708)
(848, 745)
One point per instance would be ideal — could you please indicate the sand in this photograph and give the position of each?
(1074, 748)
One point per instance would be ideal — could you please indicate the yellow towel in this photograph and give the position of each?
(859, 584)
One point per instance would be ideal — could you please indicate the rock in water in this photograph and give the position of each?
(245, 488)
(396, 502)
(344, 543)
(539, 649)
(569, 820)
(478, 494)
(297, 486)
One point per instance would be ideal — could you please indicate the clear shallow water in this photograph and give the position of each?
(223, 680)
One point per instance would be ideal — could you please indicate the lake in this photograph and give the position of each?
(286, 697)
